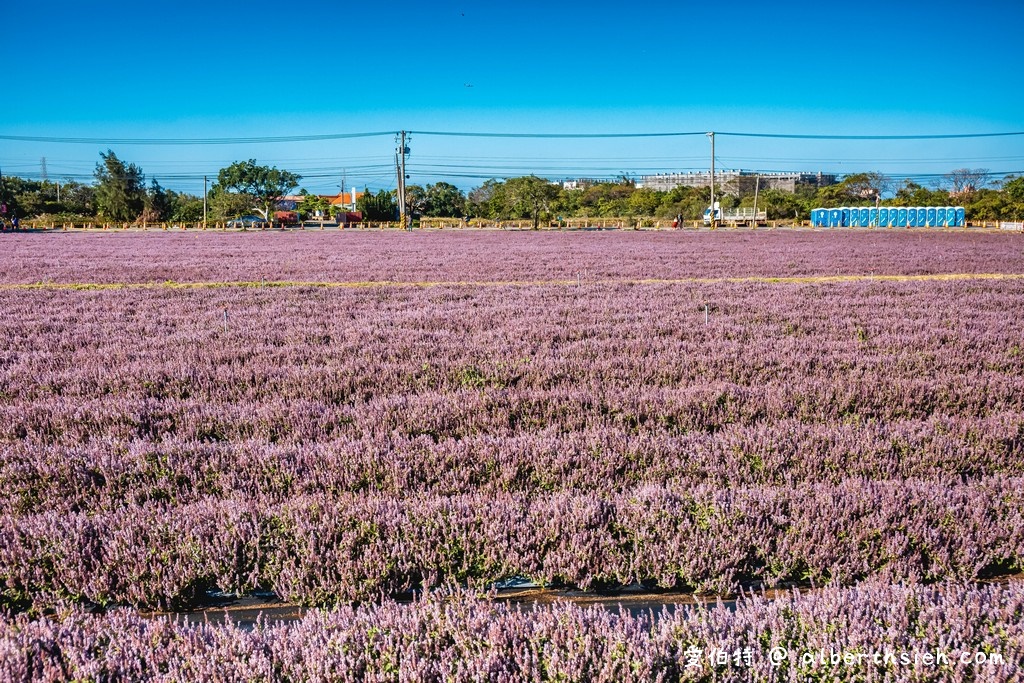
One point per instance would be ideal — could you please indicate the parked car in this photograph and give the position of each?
(248, 222)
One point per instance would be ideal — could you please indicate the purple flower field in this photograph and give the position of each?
(339, 445)
(482, 256)
(872, 632)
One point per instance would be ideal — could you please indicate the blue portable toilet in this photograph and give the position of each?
(960, 215)
(864, 219)
(835, 218)
(819, 218)
(912, 217)
(872, 217)
(932, 217)
(940, 217)
(883, 218)
(845, 221)
(901, 218)
(922, 217)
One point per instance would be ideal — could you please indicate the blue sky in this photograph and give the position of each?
(117, 70)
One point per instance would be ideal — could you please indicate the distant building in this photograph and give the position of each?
(581, 183)
(288, 202)
(344, 201)
(737, 182)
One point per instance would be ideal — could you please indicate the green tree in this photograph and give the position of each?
(157, 204)
(184, 208)
(34, 198)
(688, 202)
(607, 199)
(415, 200)
(530, 196)
(1014, 189)
(913, 194)
(777, 204)
(444, 200)
(377, 207)
(77, 199)
(224, 204)
(488, 200)
(988, 204)
(264, 184)
(120, 188)
(313, 204)
(21, 196)
(858, 189)
(568, 202)
(644, 202)
(1013, 192)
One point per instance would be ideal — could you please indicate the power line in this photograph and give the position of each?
(794, 136)
(566, 136)
(343, 136)
(192, 141)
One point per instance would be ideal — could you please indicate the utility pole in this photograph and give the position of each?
(400, 162)
(757, 186)
(714, 222)
(204, 202)
(401, 190)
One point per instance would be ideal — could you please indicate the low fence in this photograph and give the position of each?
(481, 224)
(209, 227)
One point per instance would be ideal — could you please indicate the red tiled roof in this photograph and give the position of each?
(344, 198)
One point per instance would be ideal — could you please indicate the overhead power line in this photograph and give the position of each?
(193, 141)
(343, 136)
(566, 136)
(795, 136)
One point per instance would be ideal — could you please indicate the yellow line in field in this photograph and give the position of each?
(371, 284)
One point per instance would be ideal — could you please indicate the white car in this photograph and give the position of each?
(248, 222)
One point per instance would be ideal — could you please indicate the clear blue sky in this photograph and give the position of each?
(116, 70)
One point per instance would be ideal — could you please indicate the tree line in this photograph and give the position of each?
(120, 193)
(534, 198)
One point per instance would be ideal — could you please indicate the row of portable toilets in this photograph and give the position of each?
(889, 217)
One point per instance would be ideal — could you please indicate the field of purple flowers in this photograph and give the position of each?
(872, 632)
(339, 444)
(494, 256)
